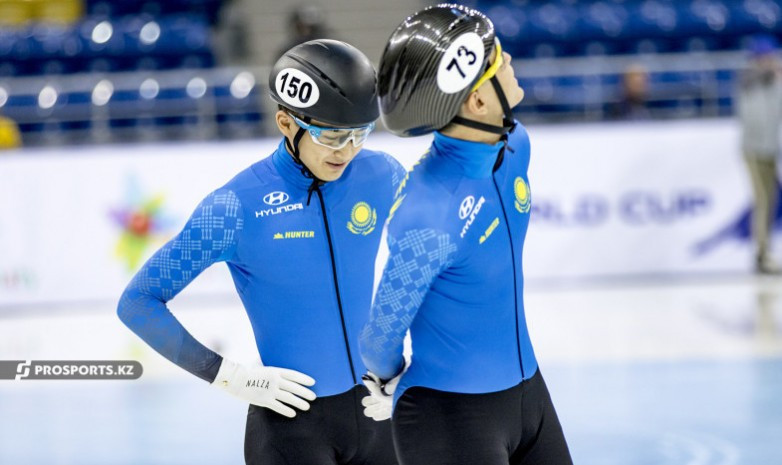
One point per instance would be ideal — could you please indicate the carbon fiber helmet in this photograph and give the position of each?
(327, 80)
(429, 66)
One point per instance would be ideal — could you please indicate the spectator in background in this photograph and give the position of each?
(632, 103)
(9, 134)
(759, 106)
(305, 22)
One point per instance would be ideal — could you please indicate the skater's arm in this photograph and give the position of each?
(416, 257)
(210, 235)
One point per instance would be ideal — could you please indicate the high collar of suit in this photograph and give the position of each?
(474, 159)
(292, 173)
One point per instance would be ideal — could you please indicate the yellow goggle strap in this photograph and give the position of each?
(498, 60)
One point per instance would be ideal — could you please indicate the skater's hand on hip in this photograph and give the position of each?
(379, 403)
(274, 388)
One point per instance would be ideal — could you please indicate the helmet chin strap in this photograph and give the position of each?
(507, 122)
(294, 149)
(507, 114)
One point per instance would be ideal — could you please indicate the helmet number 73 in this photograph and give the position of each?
(463, 51)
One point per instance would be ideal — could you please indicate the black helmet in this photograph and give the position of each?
(327, 80)
(429, 66)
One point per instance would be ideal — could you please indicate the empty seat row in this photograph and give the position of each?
(98, 44)
(607, 27)
(132, 101)
(207, 9)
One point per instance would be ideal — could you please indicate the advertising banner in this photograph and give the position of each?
(607, 201)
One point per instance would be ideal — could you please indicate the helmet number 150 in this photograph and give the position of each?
(296, 88)
(303, 93)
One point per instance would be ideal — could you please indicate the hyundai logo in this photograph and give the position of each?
(275, 198)
(466, 207)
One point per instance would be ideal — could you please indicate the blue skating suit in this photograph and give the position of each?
(454, 273)
(306, 288)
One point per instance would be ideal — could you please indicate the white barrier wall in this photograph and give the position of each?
(608, 200)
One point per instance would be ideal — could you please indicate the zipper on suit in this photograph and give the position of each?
(513, 258)
(336, 282)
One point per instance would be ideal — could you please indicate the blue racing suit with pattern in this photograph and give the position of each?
(302, 263)
(472, 392)
(454, 276)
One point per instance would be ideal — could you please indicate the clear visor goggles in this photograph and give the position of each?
(336, 138)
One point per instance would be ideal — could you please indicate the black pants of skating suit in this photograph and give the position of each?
(333, 432)
(517, 426)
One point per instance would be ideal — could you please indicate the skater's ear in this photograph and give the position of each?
(475, 106)
(285, 124)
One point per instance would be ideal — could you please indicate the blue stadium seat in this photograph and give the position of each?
(653, 19)
(171, 42)
(21, 52)
(698, 44)
(596, 27)
(55, 50)
(755, 15)
(9, 62)
(101, 38)
(598, 47)
(512, 28)
(100, 44)
(553, 22)
(571, 89)
(206, 9)
(56, 112)
(238, 103)
(538, 90)
(603, 20)
(706, 17)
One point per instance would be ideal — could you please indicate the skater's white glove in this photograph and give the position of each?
(379, 403)
(270, 387)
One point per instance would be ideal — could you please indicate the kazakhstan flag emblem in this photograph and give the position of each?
(523, 198)
(363, 219)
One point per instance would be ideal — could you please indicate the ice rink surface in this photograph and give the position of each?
(642, 372)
